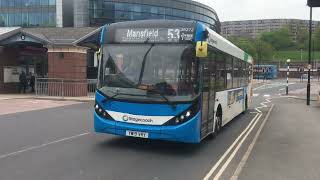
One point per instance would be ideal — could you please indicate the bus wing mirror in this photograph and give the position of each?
(97, 58)
(202, 49)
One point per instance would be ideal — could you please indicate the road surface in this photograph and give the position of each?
(57, 142)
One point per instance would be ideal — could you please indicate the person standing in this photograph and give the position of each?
(32, 81)
(23, 82)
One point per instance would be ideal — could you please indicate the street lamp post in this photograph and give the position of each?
(309, 60)
(311, 4)
(288, 72)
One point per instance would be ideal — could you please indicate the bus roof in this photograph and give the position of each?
(217, 41)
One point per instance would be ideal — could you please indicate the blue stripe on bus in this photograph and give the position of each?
(200, 28)
(102, 35)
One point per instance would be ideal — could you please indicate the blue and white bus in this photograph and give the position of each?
(265, 72)
(169, 80)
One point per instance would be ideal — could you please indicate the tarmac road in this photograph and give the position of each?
(59, 143)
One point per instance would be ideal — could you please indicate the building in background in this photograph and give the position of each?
(36, 13)
(39, 36)
(252, 28)
(109, 11)
(94, 13)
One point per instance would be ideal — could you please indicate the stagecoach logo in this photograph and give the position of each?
(136, 119)
(142, 33)
(125, 118)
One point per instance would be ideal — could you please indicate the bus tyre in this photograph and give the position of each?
(217, 127)
(245, 105)
(219, 124)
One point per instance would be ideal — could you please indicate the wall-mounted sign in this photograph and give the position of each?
(11, 74)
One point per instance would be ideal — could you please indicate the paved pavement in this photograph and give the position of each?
(57, 98)
(288, 147)
(58, 143)
(9, 106)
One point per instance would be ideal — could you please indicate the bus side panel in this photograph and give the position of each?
(232, 103)
(222, 100)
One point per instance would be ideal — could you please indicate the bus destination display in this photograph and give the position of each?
(151, 35)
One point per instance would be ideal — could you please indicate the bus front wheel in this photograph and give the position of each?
(218, 124)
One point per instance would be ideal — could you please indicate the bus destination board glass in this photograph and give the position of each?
(154, 35)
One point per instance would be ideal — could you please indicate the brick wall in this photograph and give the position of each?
(8, 57)
(67, 65)
(70, 66)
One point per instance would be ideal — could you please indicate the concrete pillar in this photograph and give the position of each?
(8, 57)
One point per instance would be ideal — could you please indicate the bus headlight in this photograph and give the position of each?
(185, 116)
(101, 112)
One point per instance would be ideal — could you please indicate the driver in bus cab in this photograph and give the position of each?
(128, 70)
(119, 63)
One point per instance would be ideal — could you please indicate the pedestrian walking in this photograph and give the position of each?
(23, 82)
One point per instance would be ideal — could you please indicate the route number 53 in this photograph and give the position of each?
(173, 33)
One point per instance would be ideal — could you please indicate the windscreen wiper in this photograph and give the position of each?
(117, 94)
(144, 62)
(163, 96)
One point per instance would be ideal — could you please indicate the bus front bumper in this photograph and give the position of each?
(188, 132)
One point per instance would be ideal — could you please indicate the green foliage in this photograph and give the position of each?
(265, 50)
(255, 47)
(316, 39)
(302, 39)
(295, 55)
(280, 39)
(278, 45)
(245, 44)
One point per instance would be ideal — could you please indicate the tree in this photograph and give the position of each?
(316, 39)
(264, 50)
(280, 39)
(302, 39)
(245, 44)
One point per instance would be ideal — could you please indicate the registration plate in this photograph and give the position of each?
(137, 134)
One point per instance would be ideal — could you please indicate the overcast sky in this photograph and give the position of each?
(230, 10)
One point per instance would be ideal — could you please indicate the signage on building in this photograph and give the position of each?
(11, 74)
(151, 35)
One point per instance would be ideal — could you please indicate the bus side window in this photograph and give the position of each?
(220, 73)
(229, 71)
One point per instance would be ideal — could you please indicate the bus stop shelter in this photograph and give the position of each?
(47, 52)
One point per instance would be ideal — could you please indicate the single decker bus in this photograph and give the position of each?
(170, 80)
(265, 72)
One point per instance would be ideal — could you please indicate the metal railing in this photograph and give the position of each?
(65, 87)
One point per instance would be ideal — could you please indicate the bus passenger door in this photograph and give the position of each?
(205, 99)
(212, 93)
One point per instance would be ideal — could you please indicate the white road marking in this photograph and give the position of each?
(259, 87)
(282, 89)
(268, 100)
(213, 169)
(248, 152)
(243, 134)
(266, 95)
(225, 165)
(256, 95)
(42, 145)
